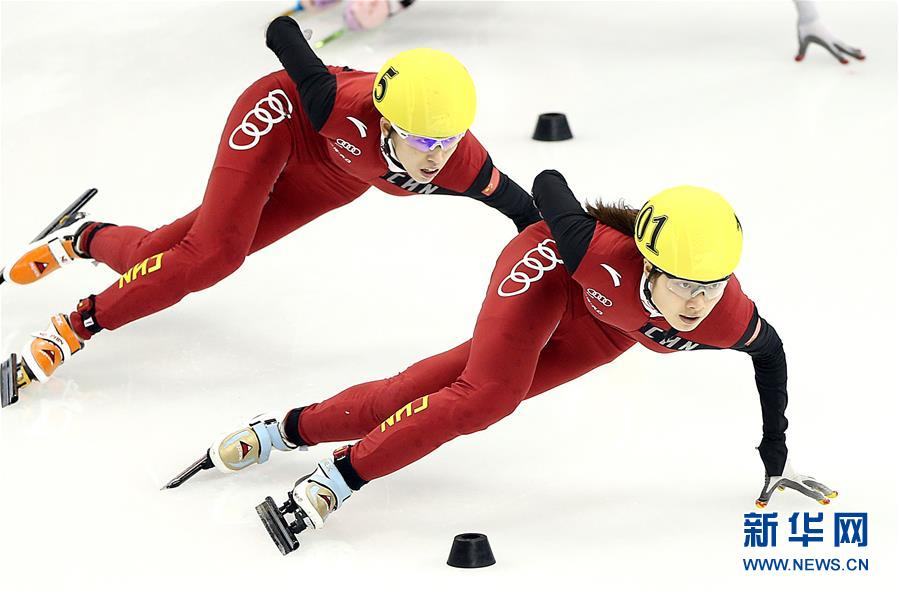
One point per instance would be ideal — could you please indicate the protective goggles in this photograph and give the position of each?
(687, 289)
(425, 144)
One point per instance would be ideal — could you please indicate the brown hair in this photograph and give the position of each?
(617, 215)
(620, 217)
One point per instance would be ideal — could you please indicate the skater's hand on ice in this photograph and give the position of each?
(815, 32)
(798, 482)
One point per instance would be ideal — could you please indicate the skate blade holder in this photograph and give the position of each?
(9, 389)
(282, 532)
(69, 215)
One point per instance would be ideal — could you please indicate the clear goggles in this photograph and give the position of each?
(687, 289)
(425, 144)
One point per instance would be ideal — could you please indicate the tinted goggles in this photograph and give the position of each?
(425, 144)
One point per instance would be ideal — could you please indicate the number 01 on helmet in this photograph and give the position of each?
(691, 233)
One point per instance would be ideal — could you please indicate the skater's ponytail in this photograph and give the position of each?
(617, 215)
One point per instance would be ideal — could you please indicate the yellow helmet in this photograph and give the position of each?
(690, 233)
(425, 92)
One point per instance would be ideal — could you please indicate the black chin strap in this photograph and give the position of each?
(647, 293)
(389, 152)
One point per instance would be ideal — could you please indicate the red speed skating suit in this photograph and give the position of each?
(538, 328)
(273, 173)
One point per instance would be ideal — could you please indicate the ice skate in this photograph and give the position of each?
(39, 359)
(241, 448)
(54, 247)
(311, 502)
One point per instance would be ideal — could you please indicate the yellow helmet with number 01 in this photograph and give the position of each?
(690, 233)
(426, 92)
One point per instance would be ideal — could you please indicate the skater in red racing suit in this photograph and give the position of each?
(297, 143)
(567, 295)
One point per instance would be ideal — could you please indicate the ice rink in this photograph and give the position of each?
(633, 478)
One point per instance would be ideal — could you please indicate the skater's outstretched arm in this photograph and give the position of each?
(571, 227)
(316, 85)
(763, 344)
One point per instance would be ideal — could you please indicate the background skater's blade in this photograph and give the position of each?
(332, 37)
(196, 467)
(281, 533)
(9, 386)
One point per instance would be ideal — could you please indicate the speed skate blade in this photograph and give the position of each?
(193, 469)
(9, 386)
(277, 526)
(70, 213)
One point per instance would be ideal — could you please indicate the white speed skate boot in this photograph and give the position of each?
(312, 500)
(250, 445)
(241, 448)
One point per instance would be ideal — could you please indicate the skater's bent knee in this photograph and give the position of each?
(210, 269)
(485, 405)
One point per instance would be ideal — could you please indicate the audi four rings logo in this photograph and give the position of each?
(343, 143)
(603, 299)
(269, 110)
(520, 278)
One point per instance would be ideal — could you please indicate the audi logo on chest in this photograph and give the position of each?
(349, 147)
(603, 299)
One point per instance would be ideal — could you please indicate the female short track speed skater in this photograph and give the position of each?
(566, 296)
(298, 143)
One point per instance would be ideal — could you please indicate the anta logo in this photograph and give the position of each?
(363, 129)
(616, 277)
(245, 448)
(349, 147)
(407, 183)
(672, 342)
(148, 266)
(419, 405)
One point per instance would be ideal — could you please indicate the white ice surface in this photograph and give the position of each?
(633, 478)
